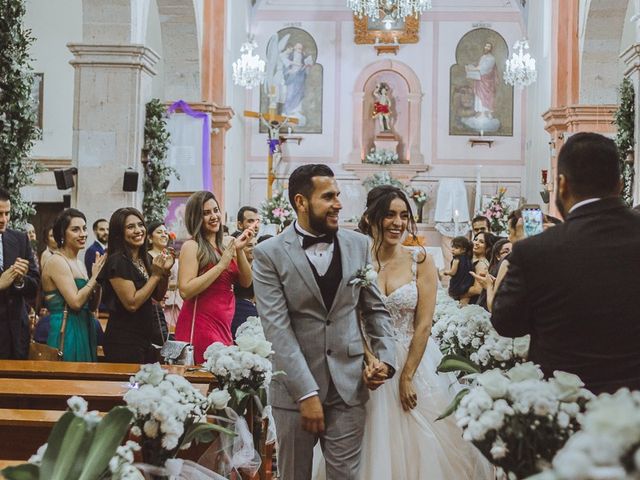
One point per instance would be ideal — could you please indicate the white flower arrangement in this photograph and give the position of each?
(518, 420)
(364, 276)
(243, 370)
(381, 157)
(121, 464)
(608, 445)
(165, 407)
(466, 331)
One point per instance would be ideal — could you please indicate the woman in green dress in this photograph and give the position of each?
(66, 286)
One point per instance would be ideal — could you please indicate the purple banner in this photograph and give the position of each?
(206, 140)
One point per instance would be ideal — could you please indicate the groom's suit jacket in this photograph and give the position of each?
(314, 345)
(575, 289)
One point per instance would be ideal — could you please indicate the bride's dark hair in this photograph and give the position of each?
(378, 203)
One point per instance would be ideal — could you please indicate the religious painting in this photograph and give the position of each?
(37, 94)
(481, 103)
(293, 80)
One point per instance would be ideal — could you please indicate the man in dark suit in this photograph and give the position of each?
(101, 232)
(575, 287)
(19, 279)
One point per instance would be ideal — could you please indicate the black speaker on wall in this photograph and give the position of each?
(66, 201)
(130, 181)
(64, 178)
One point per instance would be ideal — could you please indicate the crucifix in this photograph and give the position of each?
(274, 123)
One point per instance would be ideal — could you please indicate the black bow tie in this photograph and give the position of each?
(308, 241)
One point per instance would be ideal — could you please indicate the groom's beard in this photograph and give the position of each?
(318, 223)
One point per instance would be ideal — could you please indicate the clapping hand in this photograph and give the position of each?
(96, 268)
(375, 373)
(8, 277)
(168, 256)
(228, 254)
(484, 280)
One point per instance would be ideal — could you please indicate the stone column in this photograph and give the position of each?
(112, 86)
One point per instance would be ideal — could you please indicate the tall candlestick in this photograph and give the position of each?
(455, 223)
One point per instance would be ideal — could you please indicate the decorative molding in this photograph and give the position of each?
(481, 141)
(631, 58)
(364, 36)
(220, 115)
(579, 118)
(401, 171)
(53, 163)
(114, 56)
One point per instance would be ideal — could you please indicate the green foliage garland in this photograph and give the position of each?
(157, 173)
(18, 129)
(624, 119)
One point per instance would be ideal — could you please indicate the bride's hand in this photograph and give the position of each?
(408, 396)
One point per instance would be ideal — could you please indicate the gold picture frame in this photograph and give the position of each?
(369, 33)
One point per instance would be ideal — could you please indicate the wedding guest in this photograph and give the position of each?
(69, 291)
(130, 281)
(50, 245)
(480, 223)
(247, 218)
(158, 243)
(574, 287)
(482, 245)
(501, 249)
(459, 270)
(19, 280)
(101, 232)
(206, 275)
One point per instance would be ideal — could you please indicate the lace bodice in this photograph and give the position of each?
(402, 303)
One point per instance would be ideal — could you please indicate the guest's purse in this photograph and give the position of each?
(180, 353)
(42, 351)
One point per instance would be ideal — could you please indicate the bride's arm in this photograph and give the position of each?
(427, 282)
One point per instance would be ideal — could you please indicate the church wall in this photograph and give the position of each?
(342, 61)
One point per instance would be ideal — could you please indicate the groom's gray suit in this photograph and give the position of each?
(320, 349)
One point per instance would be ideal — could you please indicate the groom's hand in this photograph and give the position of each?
(312, 415)
(375, 373)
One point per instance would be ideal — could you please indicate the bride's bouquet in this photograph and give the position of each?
(518, 420)
(608, 445)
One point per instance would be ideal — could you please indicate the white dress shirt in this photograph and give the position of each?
(583, 203)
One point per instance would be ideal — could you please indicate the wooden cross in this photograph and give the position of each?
(274, 123)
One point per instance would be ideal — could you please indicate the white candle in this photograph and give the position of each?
(455, 222)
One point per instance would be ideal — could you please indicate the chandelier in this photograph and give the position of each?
(248, 70)
(520, 68)
(398, 9)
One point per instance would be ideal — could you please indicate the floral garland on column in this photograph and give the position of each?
(18, 130)
(624, 120)
(156, 172)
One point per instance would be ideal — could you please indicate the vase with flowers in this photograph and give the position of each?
(420, 198)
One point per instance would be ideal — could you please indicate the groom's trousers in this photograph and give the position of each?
(341, 441)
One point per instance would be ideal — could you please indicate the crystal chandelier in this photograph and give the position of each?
(520, 68)
(248, 70)
(398, 9)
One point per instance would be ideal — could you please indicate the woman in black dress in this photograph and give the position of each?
(130, 281)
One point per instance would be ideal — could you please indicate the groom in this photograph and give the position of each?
(309, 311)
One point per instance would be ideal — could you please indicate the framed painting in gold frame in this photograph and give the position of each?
(368, 32)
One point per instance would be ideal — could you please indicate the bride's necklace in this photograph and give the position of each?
(382, 266)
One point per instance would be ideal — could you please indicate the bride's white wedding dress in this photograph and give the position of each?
(412, 445)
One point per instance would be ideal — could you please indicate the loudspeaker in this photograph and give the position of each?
(64, 178)
(66, 201)
(545, 196)
(130, 181)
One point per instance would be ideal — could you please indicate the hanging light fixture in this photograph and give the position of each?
(248, 70)
(520, 68)
(398, 9)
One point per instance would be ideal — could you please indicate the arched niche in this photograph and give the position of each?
(599, 70)
(406, 107)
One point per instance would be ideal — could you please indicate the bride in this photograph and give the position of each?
(402, 439)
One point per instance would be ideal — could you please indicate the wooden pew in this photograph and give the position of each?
(115, 372)
(45, 394)
(23, 431)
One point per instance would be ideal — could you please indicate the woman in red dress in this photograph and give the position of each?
(207, 272)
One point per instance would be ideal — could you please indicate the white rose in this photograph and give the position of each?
(494, 382)
(247, 343)
(525, 371)
(521, 346)
(566, 385)
(371, 275)
(263, 348)
(219, 399)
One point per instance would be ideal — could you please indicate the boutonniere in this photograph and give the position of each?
(365, 276)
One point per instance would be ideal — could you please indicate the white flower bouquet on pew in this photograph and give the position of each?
(608, 445)
(82, 445)
(169, 413)
(466, 334)
(517, 419)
